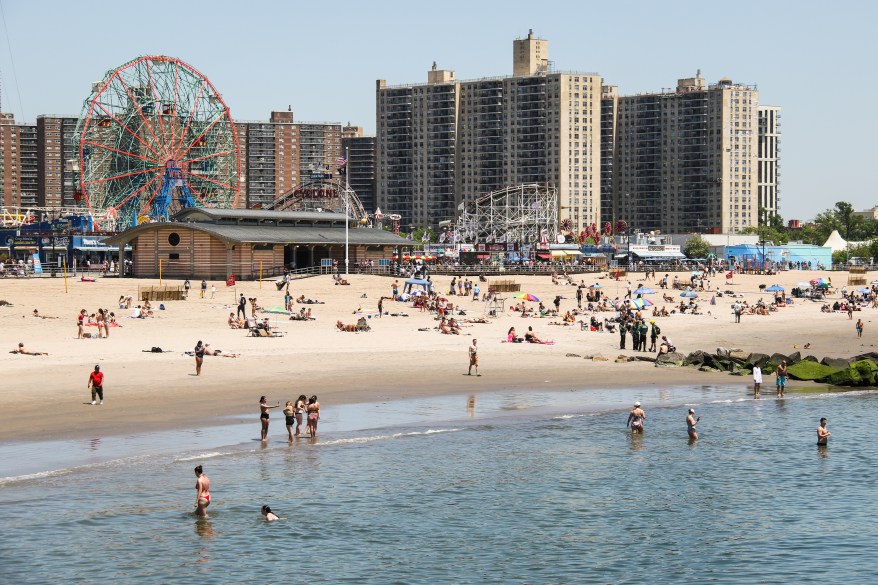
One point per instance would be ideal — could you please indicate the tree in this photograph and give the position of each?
(696, 247)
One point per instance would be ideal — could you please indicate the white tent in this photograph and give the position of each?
(836, 242)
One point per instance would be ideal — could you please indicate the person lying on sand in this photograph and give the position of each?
(234, 322)
(303, 301)
(36, 313)
(360, 326)
(23, 350)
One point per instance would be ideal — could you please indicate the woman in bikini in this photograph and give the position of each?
(300, 412)
(289, 415)
(80, 320)
(313, 410)
(202, 497)
(263, 416)
(103, 329)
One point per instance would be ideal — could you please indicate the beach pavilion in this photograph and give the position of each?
(216, 243)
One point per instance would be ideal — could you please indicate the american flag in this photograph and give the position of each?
(341, 161)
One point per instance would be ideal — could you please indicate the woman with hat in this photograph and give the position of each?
(635, 419)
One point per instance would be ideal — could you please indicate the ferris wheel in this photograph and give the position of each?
(155, 137)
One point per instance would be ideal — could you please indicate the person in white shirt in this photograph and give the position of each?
(757, 380)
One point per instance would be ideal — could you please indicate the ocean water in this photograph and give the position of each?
(501, 488)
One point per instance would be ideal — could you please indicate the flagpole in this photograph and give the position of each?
(347, 200)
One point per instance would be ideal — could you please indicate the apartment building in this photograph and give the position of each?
(18, 163)
(360, 167)
(447, 141)
(609, 113)
(769, 160)
(280, 154)
(55, 178)
(686, 160)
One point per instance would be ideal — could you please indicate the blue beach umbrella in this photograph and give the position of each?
(644, 290)
(596, 286)
(688, 294)
(775, 287)
(864, 291)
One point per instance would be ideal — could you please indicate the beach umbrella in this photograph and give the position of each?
(418, 293)
(596, 286)
(527, 297)
(688, 294)
(820, 280)
(775, 287)
(874, 282)
(695, 273)
(864, 291)
(807, 284)
(642, 303)
(644, 290)
(823, 285)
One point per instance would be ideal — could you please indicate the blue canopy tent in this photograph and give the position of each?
(417, 283)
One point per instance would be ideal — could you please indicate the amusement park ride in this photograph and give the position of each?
(154, 137)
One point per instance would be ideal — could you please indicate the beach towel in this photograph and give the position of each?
(276, 310)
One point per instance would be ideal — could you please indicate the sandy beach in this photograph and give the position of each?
(45, 397)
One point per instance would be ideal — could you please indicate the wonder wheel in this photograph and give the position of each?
(154, 137)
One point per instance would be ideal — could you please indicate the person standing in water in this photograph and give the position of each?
(635, 419)
(781, 374)
(313, 410)
(300, 412)
(822, 434)
(757, 381)
(290, 418)
(263, 416)
(691, 421)
(202, 496)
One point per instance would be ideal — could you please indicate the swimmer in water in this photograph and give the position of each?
(202, 497)
(269, 515)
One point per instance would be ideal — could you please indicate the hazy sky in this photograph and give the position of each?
(814, 59)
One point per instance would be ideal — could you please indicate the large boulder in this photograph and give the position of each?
(777, 358)
(810, 358)
(739, 355)
(809, 370)
(723, 351)
(870, 355)
(643, 358)
(716, 362)
(758, 359)
(696, 358)
(670, 360)
(837, 363)
(861, 373)
(794, 358)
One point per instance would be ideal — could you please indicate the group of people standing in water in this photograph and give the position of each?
(307, 409)
(638, 415)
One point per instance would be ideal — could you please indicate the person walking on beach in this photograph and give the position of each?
(263, 416)
(781, 374)
(473, 359)
(199, 357)
(654, 331)
(623, 331)
(202, 492)
(203, 288)
(186, 287)
(242, 307)
(636, 418)
(579, 296)
(96, 383)
(212, 290)
(757, 380)
(691, 421)
(822, 434)
(313, 410)
(380, 307)
(859, 327)
(737, 309)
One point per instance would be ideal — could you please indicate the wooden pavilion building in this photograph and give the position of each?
(215, 243)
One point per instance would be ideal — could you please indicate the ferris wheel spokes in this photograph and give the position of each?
(142, 116)
(127, 129)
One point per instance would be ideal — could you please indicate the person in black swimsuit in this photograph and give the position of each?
(199, 357)
(263, 416)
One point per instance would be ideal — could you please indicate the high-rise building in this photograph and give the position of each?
(448, 141)
(361, 168)
(609, 111)
(686, 160)
(56, 178)
(769, 159)
(280, 154)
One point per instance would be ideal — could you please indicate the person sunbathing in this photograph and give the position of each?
(36, 313)
(569, 318)
(218, 352)
(23, 350)
(444, 328)
(234, 322)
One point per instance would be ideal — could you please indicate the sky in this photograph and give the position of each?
(814, 59)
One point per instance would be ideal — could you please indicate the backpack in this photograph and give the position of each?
(657, 330)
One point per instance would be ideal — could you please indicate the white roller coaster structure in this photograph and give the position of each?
(521, 214)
